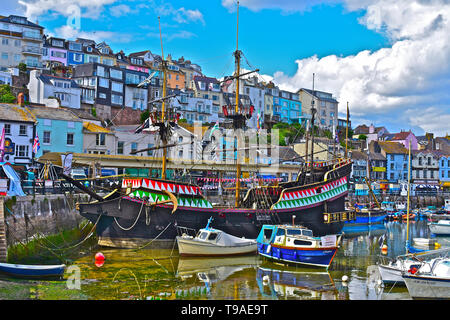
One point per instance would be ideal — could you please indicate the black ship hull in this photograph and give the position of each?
(139, 218)
(126, 223)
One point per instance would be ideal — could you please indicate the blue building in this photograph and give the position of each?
(75, 55)
(396, 160)
(444, 171)
(58, 129)
(289, 107)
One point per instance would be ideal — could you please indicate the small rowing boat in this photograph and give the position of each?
(32, 271)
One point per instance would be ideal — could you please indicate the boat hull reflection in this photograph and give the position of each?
(283, 282)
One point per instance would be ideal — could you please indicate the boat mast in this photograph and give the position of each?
(313, 112)
(346, 134)
(407, 208)
(164, 135)
(237, 55)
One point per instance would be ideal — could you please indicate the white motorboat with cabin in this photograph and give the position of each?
(214, 242)
(430, 281)
(442, 227)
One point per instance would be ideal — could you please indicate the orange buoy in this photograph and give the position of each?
(384, 249)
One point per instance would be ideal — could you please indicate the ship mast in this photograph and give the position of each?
(313, 113)
(237, 55)
(346, 134)
(164, 135)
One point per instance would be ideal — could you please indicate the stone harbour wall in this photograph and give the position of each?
(43, 214)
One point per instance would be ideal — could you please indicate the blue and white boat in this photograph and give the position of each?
(32, 271)
(293, 244)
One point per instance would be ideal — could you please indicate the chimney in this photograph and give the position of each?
(21, 99)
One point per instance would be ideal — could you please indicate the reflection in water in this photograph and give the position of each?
(283, 282)
(157, 274)
(213, 270)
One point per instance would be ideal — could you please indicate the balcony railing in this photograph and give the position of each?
(32, 50)
(34, 64)
(32, 35)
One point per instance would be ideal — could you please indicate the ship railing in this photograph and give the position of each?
(332, 217)
(186, 231)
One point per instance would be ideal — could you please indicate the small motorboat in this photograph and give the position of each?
(32, 271)
(213, 242)
(430, 281)
(293, 244)
(391, 272)
(442, 227)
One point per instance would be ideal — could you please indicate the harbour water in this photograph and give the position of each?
(149, 274)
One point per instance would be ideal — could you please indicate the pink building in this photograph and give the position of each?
(404, 137)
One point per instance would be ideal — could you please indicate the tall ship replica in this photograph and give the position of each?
(148, 210)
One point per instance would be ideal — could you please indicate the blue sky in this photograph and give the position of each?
(270, 38)
(389, 60)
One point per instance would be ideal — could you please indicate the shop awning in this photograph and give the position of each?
(15, 188)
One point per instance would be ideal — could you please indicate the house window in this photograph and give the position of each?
(7, 128)
(116, 86)
(57, 43)
(119, 147)
(77, 57)
(21, 151)
(75, 46)
(47, 122)
(100, 139)
(70, 124)
(102, 95)
(22, 130)
(93, 59)
(17, 43)
(4, 56)
(58, 54)
(133, 146)
(104, 83)
(116, 74)
(70, 139)
(116, 99)
(5, 41)
(150, 152)
(46, 138)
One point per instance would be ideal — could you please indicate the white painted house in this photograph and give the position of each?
(19, 133)
(43, 86)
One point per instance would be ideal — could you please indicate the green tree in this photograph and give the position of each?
(328, 134)
(145, 115)
(288, 132)
(6, 96)
(22, 67)
(362, 137)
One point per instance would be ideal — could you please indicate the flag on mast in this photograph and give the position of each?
(2, 144)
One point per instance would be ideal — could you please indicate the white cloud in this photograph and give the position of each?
(180, 15)
(120, 10)
(398, 83)
(89, 8)
(183, 15)
(286, 6)
(182, 34)
(69, 32)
